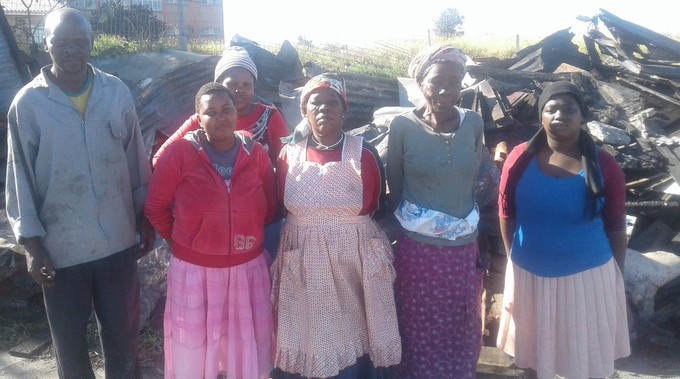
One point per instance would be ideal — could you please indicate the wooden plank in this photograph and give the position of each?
(494, 372)
(643, 34)
(479, 71)
(30, 347)
(672, 154)
(493, 356)
(649, 91)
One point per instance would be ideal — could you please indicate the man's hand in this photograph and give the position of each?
(39, 263)
(147, 236)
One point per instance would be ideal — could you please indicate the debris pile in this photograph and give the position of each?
(630, 76)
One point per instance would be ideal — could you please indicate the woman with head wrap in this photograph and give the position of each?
(435, 156)
(237, 71)
(332, 279)
(562, 211)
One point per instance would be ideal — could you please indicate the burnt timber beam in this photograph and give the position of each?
(479, 72)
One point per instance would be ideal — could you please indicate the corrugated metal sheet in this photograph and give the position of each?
(366, 94)
(169, 100)
(12, 74)
(9, 77)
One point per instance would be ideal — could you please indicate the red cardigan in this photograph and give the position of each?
(188, 203)
(614, 211)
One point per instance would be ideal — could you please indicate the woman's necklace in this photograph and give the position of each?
(445, 137)
(321, 146)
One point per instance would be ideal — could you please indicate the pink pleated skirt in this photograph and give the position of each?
(573, 326)
(218, 321)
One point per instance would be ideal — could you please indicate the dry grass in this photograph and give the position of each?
(13, 329)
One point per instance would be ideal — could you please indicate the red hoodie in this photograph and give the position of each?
(206, 223)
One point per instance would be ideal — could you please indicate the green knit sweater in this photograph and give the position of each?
(433, 170)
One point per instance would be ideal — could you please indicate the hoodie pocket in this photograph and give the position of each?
(213, 235)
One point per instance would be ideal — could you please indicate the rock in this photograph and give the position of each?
(645, 274)
(608, 134)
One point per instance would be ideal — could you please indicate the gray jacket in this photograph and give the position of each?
(76, 183)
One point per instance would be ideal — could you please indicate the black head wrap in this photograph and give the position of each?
(561, 88)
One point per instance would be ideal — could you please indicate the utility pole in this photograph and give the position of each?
(182, 27)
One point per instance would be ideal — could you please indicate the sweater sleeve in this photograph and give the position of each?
(276, 129)
(268, 183)
(281, 171)
(21, 198)
(394, 161)
(189, 125)
(502, 187)
(373, 179)
(614, 211)
(161, 196)
(138, 161)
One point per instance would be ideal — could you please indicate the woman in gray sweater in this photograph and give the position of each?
(433, 161)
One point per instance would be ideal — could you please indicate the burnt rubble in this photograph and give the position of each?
(631, 80)
(630, 76)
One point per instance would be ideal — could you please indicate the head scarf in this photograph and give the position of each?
(561, 88)
(235, 56)
(429, 56)
(325, 80)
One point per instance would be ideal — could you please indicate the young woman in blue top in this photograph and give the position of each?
(562, 215)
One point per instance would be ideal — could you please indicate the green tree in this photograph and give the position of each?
(449, 23)
(27, 28)
(133, 22)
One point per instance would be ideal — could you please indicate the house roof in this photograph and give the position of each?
(38, 7)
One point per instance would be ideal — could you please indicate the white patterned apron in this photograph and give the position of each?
(332, 279)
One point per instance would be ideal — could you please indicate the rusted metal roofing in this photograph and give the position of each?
(13, 73)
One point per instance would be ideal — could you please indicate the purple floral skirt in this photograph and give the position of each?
(438, 296)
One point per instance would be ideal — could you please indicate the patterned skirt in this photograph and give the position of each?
(218, 321)
(578, 322)
(438, 291)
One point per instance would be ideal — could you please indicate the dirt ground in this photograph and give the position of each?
(648, 360)
(645, 362)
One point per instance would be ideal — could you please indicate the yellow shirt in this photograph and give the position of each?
(80, 98)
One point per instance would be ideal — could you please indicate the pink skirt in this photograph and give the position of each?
(573, 326)
(218, 321)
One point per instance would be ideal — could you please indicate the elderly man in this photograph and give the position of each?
(77, 176)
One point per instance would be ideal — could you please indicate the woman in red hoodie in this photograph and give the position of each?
(210, 196)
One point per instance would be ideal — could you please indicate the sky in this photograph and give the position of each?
(355, 21)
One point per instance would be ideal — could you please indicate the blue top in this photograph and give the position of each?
(552, 237)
